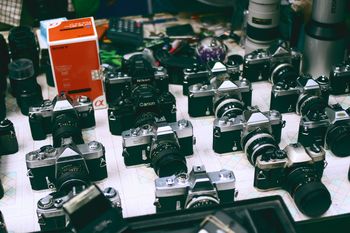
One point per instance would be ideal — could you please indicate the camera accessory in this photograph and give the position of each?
(66, 166)
(24, 85)
(8, 139)
(232, 134)
(125, 31)
(63, 117)
(95, 211)
(163, 145)
(211, 49)
(51, 215)
(198, 189)
(23, 44)
(298, 170)
(325, 37)
(263, 22)
(339, 78)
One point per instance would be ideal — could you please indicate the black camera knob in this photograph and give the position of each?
(315, 148)
(46, 202)
(280, 154)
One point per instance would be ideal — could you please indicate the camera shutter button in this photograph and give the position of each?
(182, 123)
(45, 202)
(94, 145)
(109, 192)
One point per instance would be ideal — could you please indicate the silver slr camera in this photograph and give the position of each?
(197, 189)
(162, 145)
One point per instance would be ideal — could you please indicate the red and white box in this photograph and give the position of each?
(74, 54)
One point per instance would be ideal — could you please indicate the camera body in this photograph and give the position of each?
(79, 113)
(147, 144)
(263, 64)
(51, 215)
(330, 130)
(51, 167)
(197, 189)
(229, 132)
(208, 99)
(202, 74)
(293, 96)
(339, 79)
(8, 139)
(145, 106)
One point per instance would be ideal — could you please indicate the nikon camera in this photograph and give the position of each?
(294, 94)
(163, 145)
(329, 128)
(297, 170)
(146, 105)
(230, 134)
(220, 98)
(339, 78)
(62, 167)
(50, 208)
(63, 117)
(195, 190)
(265, 64)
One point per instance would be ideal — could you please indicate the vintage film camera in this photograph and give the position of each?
(329, 128)
(62, 167)
(288, 95)
(50, 208)
(163, 145)
(339, 78)
(220, 98)
(297, 170)
(265, 64)
(8, 139)
(63, 117)
(146, 106)
(136, 70)
(197, 189)
(230, 134)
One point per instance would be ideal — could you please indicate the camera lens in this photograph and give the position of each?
(22, 44)
(71, 175)
(311, 106)
(309, 193)
(202, 201)
(337, 139)
(5, 60)
(66, 126)
(284, 73)
(256, 143)
(263, 20)
(228, 107)
(167, 160)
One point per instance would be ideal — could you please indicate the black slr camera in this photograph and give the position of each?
(63, 117)
(195, 190)
(329, 127)
(297, 170)
(66, 166)
(8, 139)
(137, 69)
(231, 134)
(299, 94)
(339, 78)
(265, 64)
(145, 106)
(203, 73)
(163, 145)
(51, 215)
(220, 98)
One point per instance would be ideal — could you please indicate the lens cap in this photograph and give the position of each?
(312, 199)
(21, 69)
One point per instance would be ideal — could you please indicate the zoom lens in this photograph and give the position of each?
(309, 193)
(66, 126)
(228, 107)
(263, 20)
(337, 140)
(166, 159)
(256, 143)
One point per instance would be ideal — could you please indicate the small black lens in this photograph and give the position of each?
(337, 139)
(309, 193)
(66, 126)
(167, 160)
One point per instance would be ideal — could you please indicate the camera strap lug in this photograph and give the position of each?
(102, 162)
(30, 173)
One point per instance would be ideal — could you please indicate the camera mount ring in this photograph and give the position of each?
(258, 147)
(203, 200)
(303, 100)
(232, 101)
(277, 68)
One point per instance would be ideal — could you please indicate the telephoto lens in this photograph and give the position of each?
(263, 22)
(24, 85)
(23, 44)
(325, 37)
